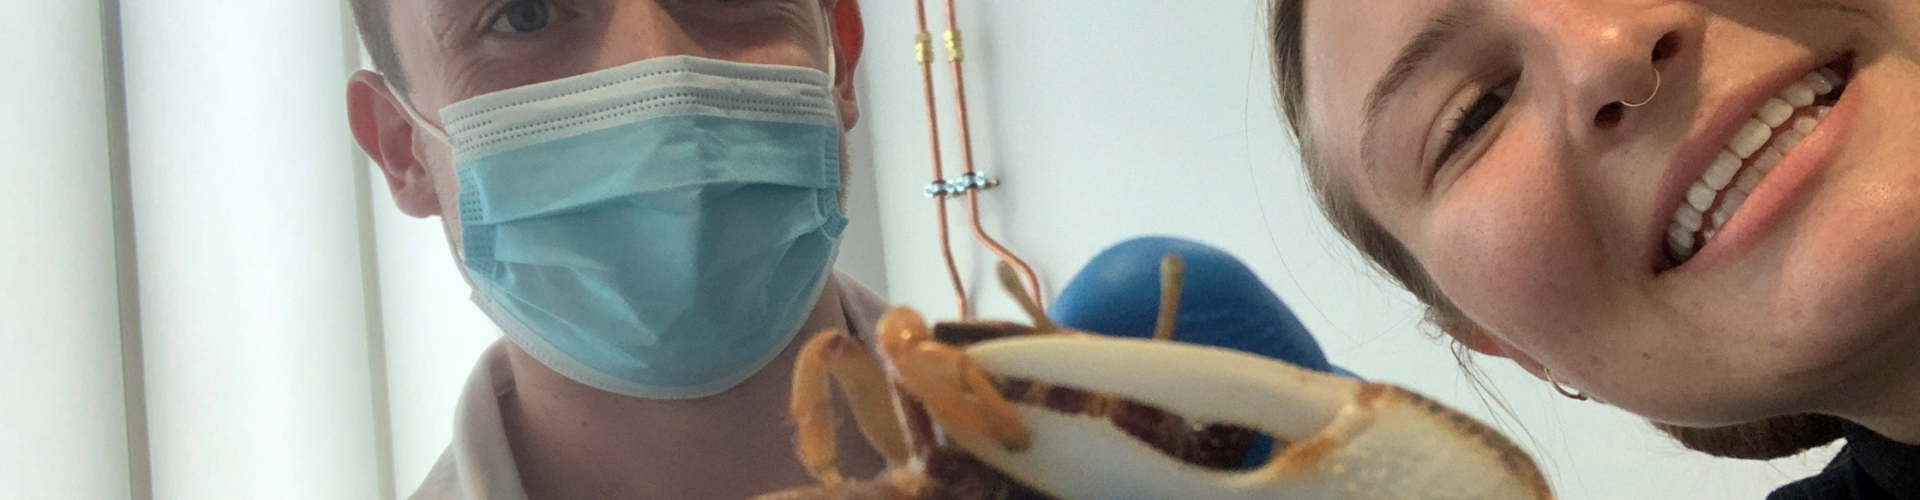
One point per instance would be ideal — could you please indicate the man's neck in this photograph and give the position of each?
(571, 441)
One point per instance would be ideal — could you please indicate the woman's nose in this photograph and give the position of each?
(1613, 56)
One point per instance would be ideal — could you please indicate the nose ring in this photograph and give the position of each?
(1649, 99)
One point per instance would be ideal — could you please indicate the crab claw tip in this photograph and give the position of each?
(1017, 439)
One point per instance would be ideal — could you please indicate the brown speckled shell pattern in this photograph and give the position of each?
(1516, 461)
(959, 476)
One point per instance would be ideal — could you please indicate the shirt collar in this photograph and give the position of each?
(1893, 466)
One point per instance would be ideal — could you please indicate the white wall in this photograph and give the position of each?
(863, 246)
(1108, 120)
(252, 281)
(434, 334)
(63, 428)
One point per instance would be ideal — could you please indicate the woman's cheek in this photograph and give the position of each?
(1514, 255)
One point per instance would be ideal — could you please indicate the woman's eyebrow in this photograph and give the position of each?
(1456, 18)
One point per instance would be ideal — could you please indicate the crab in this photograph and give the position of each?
(979, 410)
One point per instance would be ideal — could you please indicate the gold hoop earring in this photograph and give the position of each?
(1563, 390)
(1649, 99)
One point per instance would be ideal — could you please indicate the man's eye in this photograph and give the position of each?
(1468, 121)
(524, 16)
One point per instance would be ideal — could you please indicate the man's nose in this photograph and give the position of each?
(1609, 54)
(640, 30)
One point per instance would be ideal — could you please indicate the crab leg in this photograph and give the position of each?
(860, 379)
(1173, 272)
(1353, 440)
(956, 393)
(1173, 276)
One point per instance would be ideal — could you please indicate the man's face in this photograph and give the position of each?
(452, 50)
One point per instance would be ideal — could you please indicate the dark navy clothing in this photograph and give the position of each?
(1870, 467)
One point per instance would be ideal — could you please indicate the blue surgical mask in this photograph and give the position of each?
(660, 229)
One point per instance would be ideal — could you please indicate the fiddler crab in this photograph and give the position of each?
(991, 410)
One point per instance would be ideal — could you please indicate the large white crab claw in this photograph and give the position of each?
(1348, 439)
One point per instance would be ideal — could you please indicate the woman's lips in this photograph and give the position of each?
(1714, 163)
(1767, 137)
(1776, 194)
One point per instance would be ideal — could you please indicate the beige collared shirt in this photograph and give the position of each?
(478, 464)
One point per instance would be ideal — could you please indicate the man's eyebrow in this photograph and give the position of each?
(1456, 18)
(443, 20)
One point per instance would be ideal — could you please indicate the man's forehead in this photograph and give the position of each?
(424, 24)
(416, 4)
(434, 11)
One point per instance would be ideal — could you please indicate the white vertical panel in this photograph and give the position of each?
(863, 254)
(63, 421)
(252, 299)
(434, 334)
(1108, 120)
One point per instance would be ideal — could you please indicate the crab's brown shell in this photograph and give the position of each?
(960, 476)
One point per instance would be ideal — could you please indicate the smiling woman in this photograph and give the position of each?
(1729, 256)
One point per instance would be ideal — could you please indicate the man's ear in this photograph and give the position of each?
(849, 40)
(385, 133)
(848, 99)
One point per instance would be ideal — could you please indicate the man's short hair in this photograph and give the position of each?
(376, 34)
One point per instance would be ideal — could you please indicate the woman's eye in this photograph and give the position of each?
(1468, 122)
(524, 16)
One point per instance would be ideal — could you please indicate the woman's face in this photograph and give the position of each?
(1487, 136)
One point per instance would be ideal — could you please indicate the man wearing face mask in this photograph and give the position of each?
(644, 195)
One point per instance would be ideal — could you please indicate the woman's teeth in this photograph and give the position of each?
(1781, 124)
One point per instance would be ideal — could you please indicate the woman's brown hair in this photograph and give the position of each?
(1766, 439)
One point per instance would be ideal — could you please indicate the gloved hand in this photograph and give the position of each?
(1223, 304)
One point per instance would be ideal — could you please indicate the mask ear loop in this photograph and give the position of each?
(458, 249)
(419, 120)
(833, 52)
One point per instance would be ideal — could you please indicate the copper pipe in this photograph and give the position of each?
(966, 153)
(946, 252)
(923, 46)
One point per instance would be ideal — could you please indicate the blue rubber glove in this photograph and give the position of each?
(1223, 304)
